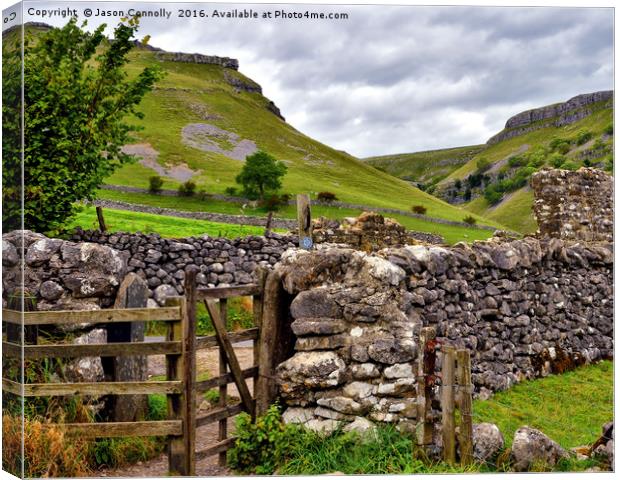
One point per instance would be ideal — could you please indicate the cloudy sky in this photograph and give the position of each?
(396, 79)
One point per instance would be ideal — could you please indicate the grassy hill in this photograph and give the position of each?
(207, 99)
(425, 168)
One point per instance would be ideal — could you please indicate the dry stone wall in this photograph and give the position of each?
(574, 205)
(524, 308)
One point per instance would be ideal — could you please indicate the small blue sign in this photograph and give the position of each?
(306, 243)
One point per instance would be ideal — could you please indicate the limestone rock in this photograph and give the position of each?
(360, 425)
(488, 441)
(315, 303)
(392, 351)
(308, 370)
(531, 446)
(317, 326)
(162, 292)
(10, 257)
(297, 415)
(87, 369)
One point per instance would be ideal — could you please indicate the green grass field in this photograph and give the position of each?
(451, 233)
(514, 211)
(173, 227)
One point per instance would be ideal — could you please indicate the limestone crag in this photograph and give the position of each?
(225, 62)
(558, 115)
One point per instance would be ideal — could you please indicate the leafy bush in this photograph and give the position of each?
(419, 209)
(560, 145)
(469, 220)
(232, 191)
(517, 161)
(273, 202)
(204, 195)
(482, 165)
(158, 407)
(326, 197)
(609, 129)
(556, 159)
(187, 189)
(458, 184)
(598, 144)
(492, 195)
(260, 446)
(583, 136)
(85, 74)
(155, 184)
(569, 165)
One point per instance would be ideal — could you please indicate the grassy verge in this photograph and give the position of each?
(569, 408)
(451, 233)
(126, 221)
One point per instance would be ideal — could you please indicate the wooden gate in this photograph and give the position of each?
(216, 303)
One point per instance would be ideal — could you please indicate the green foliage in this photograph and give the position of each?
(583, 136)
(274, 202)
(260, 174)
(419, 209)
(482, 164)
(569, 165)
(155, 184)
(117, 452)
(517, 161)
(158, 407)
(560, 145)
(260, 446)
(326, 197)
(212, 396)
(609, 129)
(232, 191)
(556, 159)
(187, 189)
(77, 105)
(469, 220)
(609, 163)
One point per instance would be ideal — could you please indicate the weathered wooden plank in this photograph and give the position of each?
(93, 350)
(60, 317)
(227, 292)
(240, 336)
(426, 375)
(273, 315)
(304, 220)
(220, 329)
(190, 366)
(178, 458)
(100, 218)
(12, 387)
(224, 366)
(122, 429)
(101, 388)
(257, 311)
(219, 414)
(447, 404)
(223, 380)
(466, 432)
(217, 448)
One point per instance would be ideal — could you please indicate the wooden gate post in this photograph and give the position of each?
(304, 218)
(426, 376)
(257, 307)
(101, 220)
(463, 374)
(189, 334)
(447, 403)
(178, 456)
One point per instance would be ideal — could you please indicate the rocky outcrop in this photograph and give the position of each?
(488, 442)
(524, 308)
(224, 62)
(558, 115)
(574, 205)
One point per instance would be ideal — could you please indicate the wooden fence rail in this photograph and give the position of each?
(174, 387)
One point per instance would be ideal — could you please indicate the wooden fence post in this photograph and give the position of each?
(100, 219)
(272, 312)
(257, 306)
(189, 334)
(304, 218)
(466, 441)
(447, 404)
(178, 458)
(268, 224)
(426, 375)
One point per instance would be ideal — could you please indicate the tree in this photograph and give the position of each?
(260, 174)
(78, 102)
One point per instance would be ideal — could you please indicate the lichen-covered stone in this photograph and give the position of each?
(531, 446)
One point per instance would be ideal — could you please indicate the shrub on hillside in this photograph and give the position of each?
(569, 165)
(583, 136)
(155, 184)
(232, 191)
(187, 189)
(556, 159)
(419, 209)
(326, 197)
(609, 129)
(469, 220)
(274, 202)
(482, 165)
